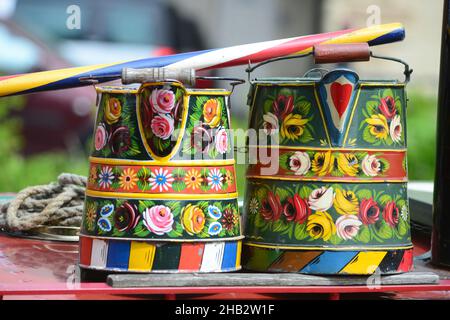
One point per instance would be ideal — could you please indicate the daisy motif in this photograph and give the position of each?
(215, 179)
(106, 177)
(128, 179)
(193, 179)
(253, 206)
(161, 179)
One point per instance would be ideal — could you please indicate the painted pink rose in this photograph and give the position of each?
(101, 137)
(158, 219)
(347, 226)
(222, 141)
(162, 101)
(162, 126)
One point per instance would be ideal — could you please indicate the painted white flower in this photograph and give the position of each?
(404, 213)
(215, 179)
(395, 129)
(370, 165)
(270, 123)
(300, 163)
(106, 177)
(161, 179)
(321, 199)
(347, 226)
(253, 206)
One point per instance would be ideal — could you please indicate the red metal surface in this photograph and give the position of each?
(44, 269)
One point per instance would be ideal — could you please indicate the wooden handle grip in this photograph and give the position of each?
(334, 53)
(130, 75)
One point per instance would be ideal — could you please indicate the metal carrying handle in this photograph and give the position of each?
(335, 53)
(185, 76)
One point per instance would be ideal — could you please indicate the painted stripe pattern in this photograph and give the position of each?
(141, 256)
(179, 183)
(349, 262)
(394, 162)
(207, 59)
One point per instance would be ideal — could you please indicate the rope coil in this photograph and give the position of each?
(56, 204)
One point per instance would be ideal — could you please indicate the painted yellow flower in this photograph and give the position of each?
(322, 163)
(128, 179)
(193, 219)
(93, 174)
(193, 179)
(293, 126)
(320, 225)
(348, 164)
(378, 126)
(113, 110)
(345, 202)
(90, 216)
(212, 112)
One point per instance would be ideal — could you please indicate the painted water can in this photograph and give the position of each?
(161, 193)
(336, 201)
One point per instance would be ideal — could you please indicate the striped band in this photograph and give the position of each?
(392, 164)
(155, 179)
(350, 262)
(141, 256)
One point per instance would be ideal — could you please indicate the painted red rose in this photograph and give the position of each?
(387, 107)
(271, 207)
(369, 211)
(391, 213)
(283, 105)
(296, 209)
(125, 217)
(120, 140)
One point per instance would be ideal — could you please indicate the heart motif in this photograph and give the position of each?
(340, 94)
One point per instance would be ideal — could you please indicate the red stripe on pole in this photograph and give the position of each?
(284, 49)
(85, 251)
(191, 256)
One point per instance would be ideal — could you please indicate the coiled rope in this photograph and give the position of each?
(56, 204)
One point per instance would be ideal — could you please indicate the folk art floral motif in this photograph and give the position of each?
(115, 133)
(153, 131)
(161, 219)
(299, 117)
(207, 128)
(162, 179)
(161, 109)
(323, 214)
(350, 164)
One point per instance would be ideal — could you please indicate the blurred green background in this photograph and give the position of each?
(19, 172)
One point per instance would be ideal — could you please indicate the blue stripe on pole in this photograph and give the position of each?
(229, 256)
(329, 262)
(118, 254)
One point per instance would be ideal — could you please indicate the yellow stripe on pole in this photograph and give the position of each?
(142, 255)
(364, 263)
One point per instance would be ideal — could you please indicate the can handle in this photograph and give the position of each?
(335, 53)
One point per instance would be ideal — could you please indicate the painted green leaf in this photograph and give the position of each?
(178, 185)
(306, 136)
(284, 160)
(364, 234)
(335, 240)
(304, 107)
(385, 198)
(300, 232)
(371, 106)
(364, 194)
(304, 192)
(259, 221)
(402, 227)
(383, 230)
(387, 93)
(283, 193)
(267, 107)
(367, 136)
(279, 226)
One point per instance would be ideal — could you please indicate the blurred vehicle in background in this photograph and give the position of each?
(38, 38)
